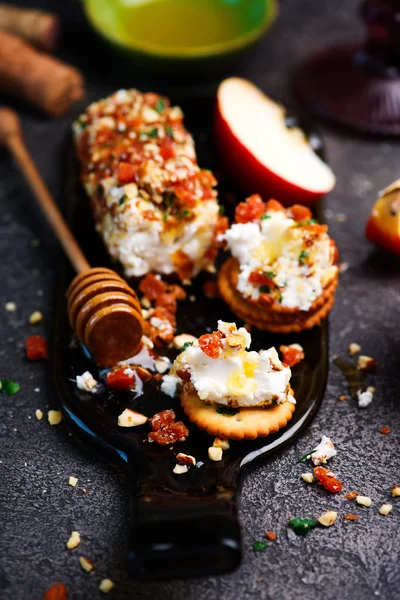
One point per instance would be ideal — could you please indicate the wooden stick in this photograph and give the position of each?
(11, 137)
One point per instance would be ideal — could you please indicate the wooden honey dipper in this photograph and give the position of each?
(103, 309)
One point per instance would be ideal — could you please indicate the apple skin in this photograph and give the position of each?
(376, 234)
(383, 225)
(253, 176)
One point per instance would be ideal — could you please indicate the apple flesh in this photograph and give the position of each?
(261, 152)
(383, 226)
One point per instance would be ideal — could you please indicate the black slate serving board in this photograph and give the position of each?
(181, 525)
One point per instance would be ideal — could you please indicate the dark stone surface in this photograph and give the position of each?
(38, 510)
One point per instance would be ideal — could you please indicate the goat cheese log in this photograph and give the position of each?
(155, 209)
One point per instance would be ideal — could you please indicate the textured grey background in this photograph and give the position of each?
(38, 510)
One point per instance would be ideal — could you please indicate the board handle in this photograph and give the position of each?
(179, 535)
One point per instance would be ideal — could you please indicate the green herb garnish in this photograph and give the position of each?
(270, 275)
(9, 387)
(153, 132)
(311, 222)
(168, 131)
(264, 289)
(185, 213)
(302, 526)
(122, 200)
(227, 411)
(159, 106)
(259, 546)
(279, 297)
(186, 345)
(165, 217)
(265, 217)
(306, 456)
(303, 256)
(221, 210)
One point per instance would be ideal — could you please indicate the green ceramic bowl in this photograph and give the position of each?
(162, 33)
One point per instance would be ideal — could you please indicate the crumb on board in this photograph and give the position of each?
(36, 317)
(328, 518)
(385, 509)
(307, 477)
(72, 481)
(270, 535)
(10, 306)
(220, 443)
(180, 469)
(86, 564)
(351, 495)
(364, 500)
(54, 417)
(385, 430)
(350, 517)
(38, 414)
(396, 491)
(354, 348)
(215, 454)
(106, 585)
(74, 540)
(342, 398)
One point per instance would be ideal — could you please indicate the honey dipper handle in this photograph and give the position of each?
(11, 137)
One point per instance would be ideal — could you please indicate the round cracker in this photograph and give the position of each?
(247, 424)
(269, 318)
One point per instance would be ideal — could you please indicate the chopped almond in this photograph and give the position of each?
(220, 443)
(307, 477)
(54, 417)
(180, 469)
(364, 500)
(186, 459)
(131, 418)
(38, 414)
(354, 349)
(72, 481)
(385, 509)
(106, 585)
(396, 491)
(328, 518)
(36, 317)
(215, 454)
(86, 564)
(74, 540)
(367, 364)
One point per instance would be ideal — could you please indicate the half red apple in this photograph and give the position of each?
(261, 152)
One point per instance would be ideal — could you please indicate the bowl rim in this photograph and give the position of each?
(188, 52)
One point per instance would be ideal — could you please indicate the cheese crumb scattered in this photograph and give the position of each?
(86, 382)
(364, 398)
(396, 491)
(180, 469)
(86, 564)
(364, 500)
(36, 317)
(72, 481)
(54, 417)
(307, 477)
(385, 509)
(328, 518)
(354, 349)
(74, 540)
(106, 585)
(38, 414)
(220, 443)
(10, 306)
(131, 418)
(215, 454)
(323, 452)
